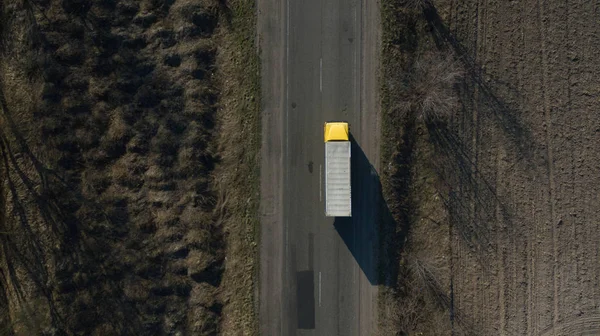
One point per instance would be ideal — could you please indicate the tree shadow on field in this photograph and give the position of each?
(405, 274)
(471, 199)
(472, 202)
(360, 232)
(477, 89)
(474, 209)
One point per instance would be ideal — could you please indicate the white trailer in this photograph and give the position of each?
(338, 199)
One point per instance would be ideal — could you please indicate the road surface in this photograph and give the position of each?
(318, 276)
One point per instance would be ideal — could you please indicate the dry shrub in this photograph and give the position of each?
(430, 92)
(168, 234)
(99, 87)
(29, 319)
(94, 182)
(164, 144)
(162, 198)
(198, 261)
(203, 294)
(428, 276)
(117, 128)
(197, 238)
(155, 173)
(202, 321)
(164, 217)
(433, 79)
(423, 300)
(136, 289)
(128, 171)
(418, 4)
(105, 329)
(86, 139)
(192, 216)
(188, 163)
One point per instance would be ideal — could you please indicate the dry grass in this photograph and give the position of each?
(421, 306)
(136, 207)
(239, 174)
(418, 89)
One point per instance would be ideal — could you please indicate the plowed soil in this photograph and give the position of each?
(515, 170)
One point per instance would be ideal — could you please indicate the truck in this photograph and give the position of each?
(338, 198)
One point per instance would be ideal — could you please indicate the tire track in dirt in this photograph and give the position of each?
(532, 256)
(462, 302)
(568, 225)
(588, 66)
(575, 281)
(588, 160)
(523, 242)
(550, 158)
(501, 248)
(491, 164)
(578, 326)
(573, 272)
(478, 279)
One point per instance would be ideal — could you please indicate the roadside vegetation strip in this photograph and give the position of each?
(237, 177)
(394, 20)
(129, 167)
(417, 82)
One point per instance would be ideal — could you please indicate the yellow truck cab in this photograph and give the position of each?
(336, 131)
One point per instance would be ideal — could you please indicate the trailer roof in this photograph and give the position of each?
(337, 179)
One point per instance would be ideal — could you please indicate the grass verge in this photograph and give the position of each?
(238, 175)
(417, 93)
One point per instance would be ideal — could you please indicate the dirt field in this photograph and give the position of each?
(129, 140)
(497, 192)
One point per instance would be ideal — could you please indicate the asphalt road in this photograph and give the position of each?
(318, 275)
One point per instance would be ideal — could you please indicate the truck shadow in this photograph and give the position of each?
(360, 232)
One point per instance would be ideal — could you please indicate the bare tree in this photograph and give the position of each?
(418, 4)
(434, 77)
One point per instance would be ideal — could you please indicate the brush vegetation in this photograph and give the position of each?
(128, 131)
